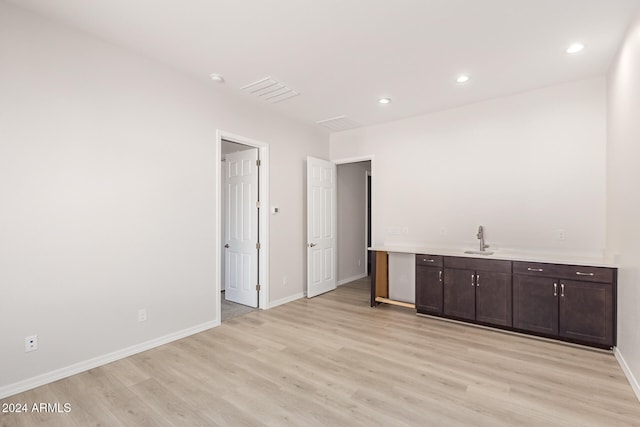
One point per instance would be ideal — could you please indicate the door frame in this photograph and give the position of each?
(370, 158)
(263, 217)
(367, 206)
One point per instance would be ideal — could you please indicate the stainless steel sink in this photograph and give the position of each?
(479, 252)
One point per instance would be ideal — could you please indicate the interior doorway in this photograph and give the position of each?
(354, 178)
(239, 263)
(242, 226)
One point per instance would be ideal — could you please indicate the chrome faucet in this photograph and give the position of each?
(480, 236)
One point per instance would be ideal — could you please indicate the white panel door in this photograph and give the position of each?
(321, 226)
(241, 228)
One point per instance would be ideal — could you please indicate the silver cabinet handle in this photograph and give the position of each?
(478, 280)
(534, 269)
(562, 289)
(555, 289)
(473, 276)
(428, 260)
(311, 245)
(440, 275)
(580, 273)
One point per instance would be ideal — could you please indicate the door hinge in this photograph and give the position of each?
(258, 287)
(258, 162)
(258, 245)
(258, 204)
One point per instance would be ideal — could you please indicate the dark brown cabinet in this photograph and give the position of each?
(429, 276)
(565, 302)
(477, 290)
(535, 304)
(569, 301)
(586, 312)
(460, 293)
(493, 298)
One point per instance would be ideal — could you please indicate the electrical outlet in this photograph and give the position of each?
(30, 343)
(142, 315)
(393, 231)
(285, 279)
(561, 234)
(359, 262)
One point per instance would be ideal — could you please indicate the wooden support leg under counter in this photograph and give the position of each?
(379, 276)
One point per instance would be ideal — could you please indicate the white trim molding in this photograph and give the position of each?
(95, 362)
(627, 372)
(371, 158)
(351, 279)
(286, 300)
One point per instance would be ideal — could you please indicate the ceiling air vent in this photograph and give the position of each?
(270, 90)
(339, 123)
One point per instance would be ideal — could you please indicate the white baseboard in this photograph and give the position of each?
(351, 279)
(85, 365)
(285, 300)
(627, 372)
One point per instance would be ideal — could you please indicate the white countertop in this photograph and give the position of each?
(508, 255)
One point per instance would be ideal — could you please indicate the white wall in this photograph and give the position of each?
(108, 182)
(523, 166)
(623, 199)
(352, 210)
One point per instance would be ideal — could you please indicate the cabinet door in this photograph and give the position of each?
(429, 296)
(586, 311)
(459, 293)
(535, 304)
(493, 298)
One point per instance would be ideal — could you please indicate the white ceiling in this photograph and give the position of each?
(342, 55)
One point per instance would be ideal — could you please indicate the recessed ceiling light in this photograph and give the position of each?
(217, 78)
(462, 78)
(575, 48)
(384, 100)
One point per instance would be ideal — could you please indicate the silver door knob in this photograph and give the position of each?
(311, 245)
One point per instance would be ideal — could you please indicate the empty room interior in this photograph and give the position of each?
(305, 212)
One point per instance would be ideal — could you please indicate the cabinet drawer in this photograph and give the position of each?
(494, 265)
(562, 271)
(429, 260)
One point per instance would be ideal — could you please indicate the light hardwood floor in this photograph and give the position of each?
(334, 361)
